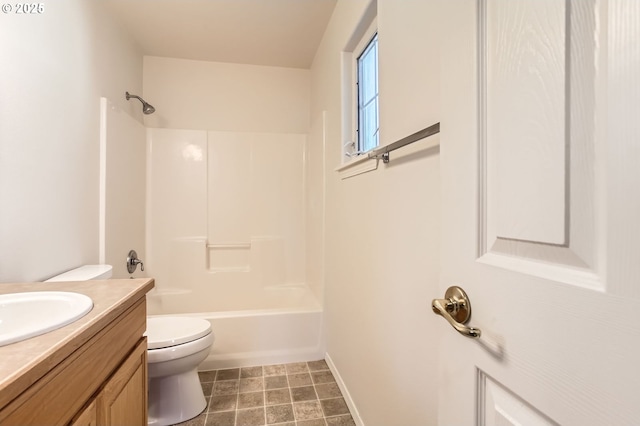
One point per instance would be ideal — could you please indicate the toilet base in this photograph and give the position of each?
(175, 399)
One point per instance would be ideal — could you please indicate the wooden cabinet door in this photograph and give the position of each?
(123, 400)
(87, 417)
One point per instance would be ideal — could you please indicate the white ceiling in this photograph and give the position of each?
(283, 33)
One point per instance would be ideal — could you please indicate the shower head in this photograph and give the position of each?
(146, 107)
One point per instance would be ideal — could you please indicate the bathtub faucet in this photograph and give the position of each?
(133, 261)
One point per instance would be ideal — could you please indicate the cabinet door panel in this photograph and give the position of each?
(123, 400)
(88, 416)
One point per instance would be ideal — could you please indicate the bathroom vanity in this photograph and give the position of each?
(90, 372)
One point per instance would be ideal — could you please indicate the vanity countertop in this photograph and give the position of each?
(23, 363)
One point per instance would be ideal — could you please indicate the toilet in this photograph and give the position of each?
(84, 273)
(175, 347)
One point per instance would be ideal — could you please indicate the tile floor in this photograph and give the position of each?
(297, 394)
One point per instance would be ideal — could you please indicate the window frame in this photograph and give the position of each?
(361, 143)
(351, 146)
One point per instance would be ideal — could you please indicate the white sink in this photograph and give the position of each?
(25, 315)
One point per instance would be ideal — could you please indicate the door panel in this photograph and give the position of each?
(524, 117)
(536, 124)
(558, 314)
(497, 406)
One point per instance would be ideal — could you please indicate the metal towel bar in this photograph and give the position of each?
(383, 151)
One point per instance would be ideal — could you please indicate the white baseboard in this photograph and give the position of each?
(345, 392)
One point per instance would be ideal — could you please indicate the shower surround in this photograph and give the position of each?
(233, 223)
(225, 231)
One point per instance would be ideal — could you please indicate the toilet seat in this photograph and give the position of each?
(180, 351)
(165, 332)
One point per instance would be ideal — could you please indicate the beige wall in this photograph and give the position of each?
(123, 152)
(226, 97)
(382, 227)
(55, 66)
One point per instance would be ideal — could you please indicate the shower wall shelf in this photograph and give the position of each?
(234, 245)
(383, 151)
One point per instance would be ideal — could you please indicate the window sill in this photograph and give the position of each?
(357, 166)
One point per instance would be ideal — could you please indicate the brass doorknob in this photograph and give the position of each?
(456, 308)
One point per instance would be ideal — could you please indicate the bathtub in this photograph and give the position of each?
(283, 324)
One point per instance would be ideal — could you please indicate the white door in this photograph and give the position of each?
(540, 150)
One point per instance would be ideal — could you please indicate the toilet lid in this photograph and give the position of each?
(163, 332)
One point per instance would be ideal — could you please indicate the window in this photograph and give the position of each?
(367, 91)
(360, 111)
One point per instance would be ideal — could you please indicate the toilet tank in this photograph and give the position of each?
(84, 273)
